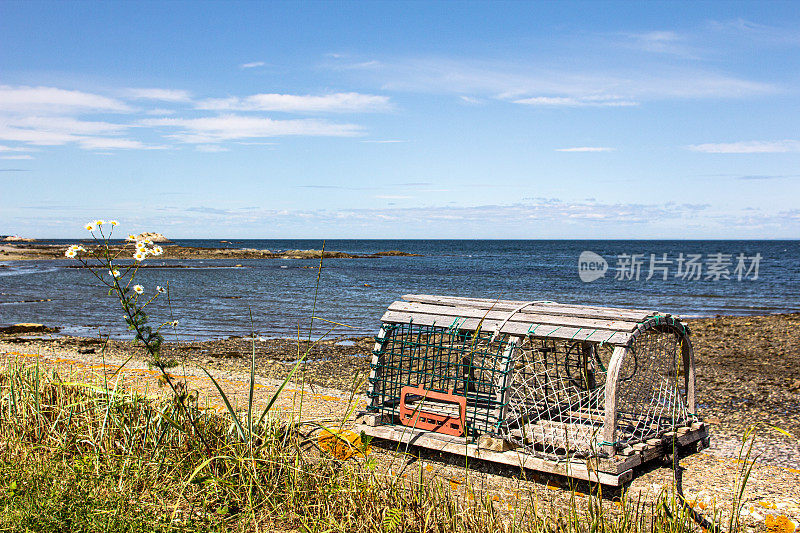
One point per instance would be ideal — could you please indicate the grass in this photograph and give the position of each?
(79, 457)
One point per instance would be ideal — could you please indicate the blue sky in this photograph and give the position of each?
(401, 120)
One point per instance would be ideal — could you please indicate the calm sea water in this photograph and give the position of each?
(212, 302)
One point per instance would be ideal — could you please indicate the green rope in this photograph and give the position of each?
(455, 325)
(558, 328)
(608, 339)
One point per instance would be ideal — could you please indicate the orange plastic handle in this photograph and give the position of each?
(419, 418)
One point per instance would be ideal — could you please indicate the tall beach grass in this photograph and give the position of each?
(85, 457)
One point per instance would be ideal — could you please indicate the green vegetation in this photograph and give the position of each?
(77, 457)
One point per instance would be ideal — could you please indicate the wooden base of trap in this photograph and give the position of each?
(615, 471)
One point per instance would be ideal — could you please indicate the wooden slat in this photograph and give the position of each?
(512, 328)
(488, 302)
(539, 307)
(612, 381)
(457, 446)
(525, 315)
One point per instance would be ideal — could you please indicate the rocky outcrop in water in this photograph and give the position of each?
(22, 251)
(155, 237)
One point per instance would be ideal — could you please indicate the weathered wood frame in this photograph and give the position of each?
(615, 365)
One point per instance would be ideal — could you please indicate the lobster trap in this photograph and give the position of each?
(587, 392)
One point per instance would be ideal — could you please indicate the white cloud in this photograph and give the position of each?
(50, 100)
(254, 64)
(623, 84)
(568, 101)
(211, 148)
(23, 156)
(748, 147)
(107, 143)
(159, 111)
(293, 103)
(60, 130)
(392, 197)
(65, 125)
(663, 42)
(211, 130)
(13, 149)
(47, 116)
(39, 137)
(657, 36)
(166, 95)
(534, 218)
(586, 149)
(527, 216)
(363, 65)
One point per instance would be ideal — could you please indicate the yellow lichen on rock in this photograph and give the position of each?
(780, 524)
(342, 445)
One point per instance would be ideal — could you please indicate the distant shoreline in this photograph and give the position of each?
(44, 252)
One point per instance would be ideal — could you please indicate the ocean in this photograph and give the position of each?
(214, 300)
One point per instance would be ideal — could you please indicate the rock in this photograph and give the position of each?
(712, 420)
(27, 327)
(488, 442)
(86, 350)
(16, 238)
(155, 237)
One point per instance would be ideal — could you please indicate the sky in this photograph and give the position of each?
(401, 119)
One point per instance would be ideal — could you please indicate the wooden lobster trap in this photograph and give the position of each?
(582, 391)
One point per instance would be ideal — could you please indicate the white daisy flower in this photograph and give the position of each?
(114, 273)
(89, 227)
(148, 241)
(113, 222)
(138, 289)
(157, 250)
(70, 253)
(140, 245)
(160, 289)
(99, 222)
(131, 237)
(140, 255)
